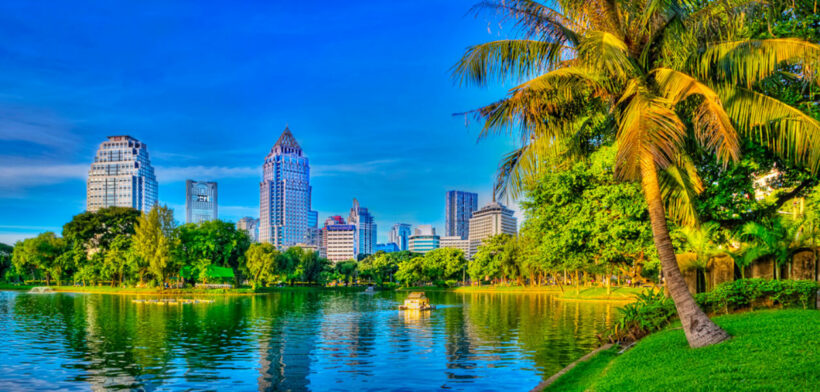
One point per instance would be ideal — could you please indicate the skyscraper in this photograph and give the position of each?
(250, 226)
(284, 194)
(490, 220)
(400, 235)
(458, 211)
(200, 201)
(365, 229)
(121, 176)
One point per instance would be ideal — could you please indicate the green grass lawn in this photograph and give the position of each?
(598, 293)
(570, 292)
(772, 350)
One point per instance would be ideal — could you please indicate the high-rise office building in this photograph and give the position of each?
(490, 220)
(458, 211)
(284, 194)
(424, 239)
(365, 229)
(200, 201)
(338, 240)
(250, 226)
(400, 235)
(121, 176)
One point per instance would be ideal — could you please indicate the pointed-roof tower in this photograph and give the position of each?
(286, 144)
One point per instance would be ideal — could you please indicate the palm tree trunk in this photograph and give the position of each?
(699, 329)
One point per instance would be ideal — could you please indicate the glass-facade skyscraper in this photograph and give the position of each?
(365, 229)
(400, 235)
(200, 201)
(284, 194)
(458, 211)
(121, 176)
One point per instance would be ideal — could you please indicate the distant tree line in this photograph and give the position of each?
(120, 246)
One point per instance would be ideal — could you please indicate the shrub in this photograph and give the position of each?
(653, 310)
(752, 293)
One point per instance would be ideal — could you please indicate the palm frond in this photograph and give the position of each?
(608, 54)
(522, 166)
(713, 128)
(786, 130)
(508, 59)
(647, 127)
(747, 62)
(535, 20)
(680, 185)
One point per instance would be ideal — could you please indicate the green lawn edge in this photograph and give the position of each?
(771, 350)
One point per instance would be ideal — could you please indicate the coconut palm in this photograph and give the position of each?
(658, 78)
(703, 241)
(771, 238)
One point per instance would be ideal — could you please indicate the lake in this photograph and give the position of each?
(292, 340)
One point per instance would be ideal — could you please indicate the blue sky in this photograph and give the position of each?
(209, 86)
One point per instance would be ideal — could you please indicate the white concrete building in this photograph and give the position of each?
(490, 220)
(121, 176)
(455, 242)
(340, 242)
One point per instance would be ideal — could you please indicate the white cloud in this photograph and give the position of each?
(21, 175)
(351, 168)
(204, 173)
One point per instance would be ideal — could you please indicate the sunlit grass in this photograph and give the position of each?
(773, 350)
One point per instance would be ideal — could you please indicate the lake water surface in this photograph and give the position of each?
(292, 340)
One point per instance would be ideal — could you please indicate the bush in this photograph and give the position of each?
(653, 310)
(758, 293)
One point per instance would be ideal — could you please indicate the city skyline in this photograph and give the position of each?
(398, 154)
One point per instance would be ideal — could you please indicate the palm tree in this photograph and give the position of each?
(635, 74)
(703, 242)
(771, 239)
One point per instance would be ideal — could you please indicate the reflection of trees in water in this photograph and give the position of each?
(123, 345)
(554, 332)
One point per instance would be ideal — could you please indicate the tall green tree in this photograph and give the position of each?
(98, 229)
(153, 244)
(39, 255)
(261, 263)
(658, 78)
(5, 260)
(215, 243)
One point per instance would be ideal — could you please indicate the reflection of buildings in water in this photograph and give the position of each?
(459, 345)
(284, 363)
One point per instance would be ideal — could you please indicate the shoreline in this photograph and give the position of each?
(570, 294)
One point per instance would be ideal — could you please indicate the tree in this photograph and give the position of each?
(5, 259)
(770, 238)
(96, 230)
(487, 262)
(40, 254)
(210, 243)
(443, 264)
(659, 80)
(261, 263)
(154, 242)
(311, 266)
(118, 260)
(411, 271)
(347, 270)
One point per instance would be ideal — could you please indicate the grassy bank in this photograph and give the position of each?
(569, 293)
(772, 350)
